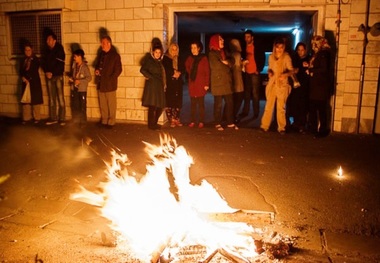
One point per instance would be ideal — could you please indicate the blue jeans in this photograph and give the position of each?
(55, 92)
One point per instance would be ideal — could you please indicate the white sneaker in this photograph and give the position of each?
(50, 122)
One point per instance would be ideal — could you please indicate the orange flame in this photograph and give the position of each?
(158, 211)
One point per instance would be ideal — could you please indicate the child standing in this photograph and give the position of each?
(79, 80)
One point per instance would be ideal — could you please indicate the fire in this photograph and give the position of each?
(163, 210)
(340, 171)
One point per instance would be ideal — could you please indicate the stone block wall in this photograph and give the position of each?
(132, 25)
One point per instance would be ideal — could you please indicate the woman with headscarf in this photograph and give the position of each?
(221, 83)
(237, 76)
(320, 86)
(155, 83)
(298, 100)
(198, 71)
(173, 70)
(30, 76)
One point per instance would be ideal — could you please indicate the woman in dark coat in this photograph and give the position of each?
(155, 84)
(320, 86)
(174, 82)
(30, 75)
(221, 82)
(298, 100)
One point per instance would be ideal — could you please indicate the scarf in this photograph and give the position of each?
(214, 45)
(194, 66)
(27, 62)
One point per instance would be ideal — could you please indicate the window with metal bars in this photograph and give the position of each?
(33, 27)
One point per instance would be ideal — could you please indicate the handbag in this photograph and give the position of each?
(26, 96)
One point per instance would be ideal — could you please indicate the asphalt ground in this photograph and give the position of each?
(293, 176)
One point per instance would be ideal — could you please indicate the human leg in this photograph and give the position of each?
(247, 94)
(229, 108)
(218, 103)
(74, 105)
(256, 84)
(52, 94)
(151, 117)
(83, 107)
(201, 105)
(103, 107)
(266, 119)
(61, 98)
(26, 112)
(313, 116)
(281, 112)
(111, 99)
(36, 112)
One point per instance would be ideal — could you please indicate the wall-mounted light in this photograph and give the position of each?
(295, 31)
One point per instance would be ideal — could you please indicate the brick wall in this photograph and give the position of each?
(132, 25)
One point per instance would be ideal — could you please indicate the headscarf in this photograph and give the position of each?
(174, 57)
(214, 45)
(235, 45)
(318, 43)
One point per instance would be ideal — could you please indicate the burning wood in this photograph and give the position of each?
(140, 208)
(230, 255)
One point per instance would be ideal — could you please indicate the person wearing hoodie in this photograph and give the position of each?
(221, 83)
(198, 72)
(278, 88)
(155, 83)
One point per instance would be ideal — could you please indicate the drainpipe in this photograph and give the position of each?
(337, 35)
(363, 28)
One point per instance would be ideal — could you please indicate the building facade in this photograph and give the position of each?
(133, 24)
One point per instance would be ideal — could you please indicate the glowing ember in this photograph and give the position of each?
(163, 210)
(340, 171)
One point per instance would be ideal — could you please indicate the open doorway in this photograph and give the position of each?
(295, 26)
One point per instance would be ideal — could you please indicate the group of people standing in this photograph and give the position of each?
(305, 98)
(219, 71)
(107, 70)
(298, 87)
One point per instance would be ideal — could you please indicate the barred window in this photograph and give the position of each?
(33, 27)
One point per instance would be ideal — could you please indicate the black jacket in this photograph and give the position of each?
(53, 60)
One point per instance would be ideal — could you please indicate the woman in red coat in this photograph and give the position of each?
(198, 71)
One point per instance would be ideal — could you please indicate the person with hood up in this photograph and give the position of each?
(221, 83)
(198, 71)
(278, 88)
(320, 86)
(155, 83)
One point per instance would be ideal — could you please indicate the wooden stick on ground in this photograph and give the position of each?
(5, 217)
(46, 224)
(322, 235)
